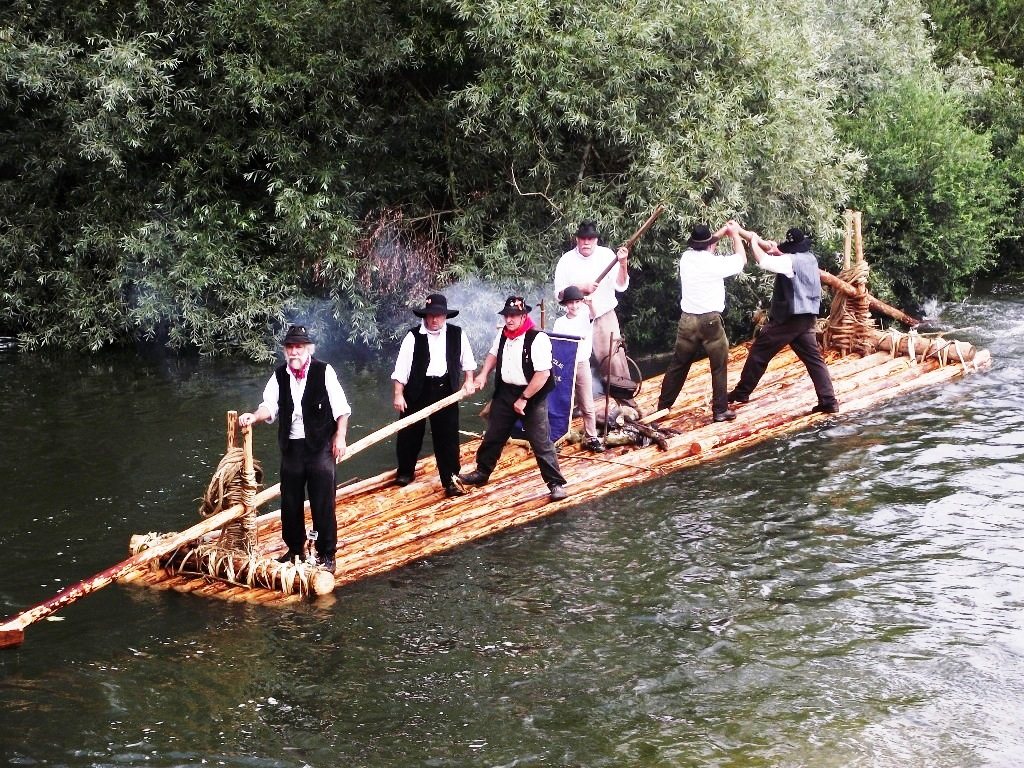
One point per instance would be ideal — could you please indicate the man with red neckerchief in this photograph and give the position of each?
(521, 359)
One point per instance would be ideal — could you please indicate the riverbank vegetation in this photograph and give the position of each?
(197, 173)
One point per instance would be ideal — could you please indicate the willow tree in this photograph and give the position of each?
(198, 173)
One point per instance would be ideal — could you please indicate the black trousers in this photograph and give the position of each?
(444, 431)
(798, 333)
(693, 334)
(303, 470)
(500, 422)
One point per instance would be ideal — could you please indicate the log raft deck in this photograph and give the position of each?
(382, 527)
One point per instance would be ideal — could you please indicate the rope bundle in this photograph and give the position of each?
(850, 316)
(230, 486)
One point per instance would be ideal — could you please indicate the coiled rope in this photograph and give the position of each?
(229, 486)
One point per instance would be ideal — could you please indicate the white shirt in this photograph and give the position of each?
(577, 326)
(780, 263)
(702, 276)
(272, 397)
(576, 269)
(512, 358)
(437, 347)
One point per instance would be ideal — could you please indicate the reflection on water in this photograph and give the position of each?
(846, 596)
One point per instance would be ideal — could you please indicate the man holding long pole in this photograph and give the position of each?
(585, 267)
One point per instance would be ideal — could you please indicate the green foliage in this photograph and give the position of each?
(933, 197)
(199, 173)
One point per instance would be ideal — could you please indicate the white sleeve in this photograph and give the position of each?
(339, 403)
(541, 352)
(781, 263)
(468, 361)
(271, 398)
(403, 365)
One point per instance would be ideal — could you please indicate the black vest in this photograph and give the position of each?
(528, 370)
(421, 359)
(317, 417)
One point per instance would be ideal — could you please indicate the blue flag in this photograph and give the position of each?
(561, 399)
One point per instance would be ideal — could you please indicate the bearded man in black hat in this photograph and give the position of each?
(432, 360)
(306, 398)
(796, 301)
(581, 267)
(702, 275)
(521, 359)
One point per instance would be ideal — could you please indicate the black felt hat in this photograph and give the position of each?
(796, 241)
(297, 334)
(588, 229)
(701, 236)
(436, 305)
(571, 293)
(515, 305)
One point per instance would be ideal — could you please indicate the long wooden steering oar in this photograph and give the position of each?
(631, 241)
(12, 630)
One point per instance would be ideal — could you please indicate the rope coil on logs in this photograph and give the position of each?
(849, 316)
(229, 486)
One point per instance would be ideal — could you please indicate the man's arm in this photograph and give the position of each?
(481, 378)
(339, 446)
(533, 386)
(248, 419)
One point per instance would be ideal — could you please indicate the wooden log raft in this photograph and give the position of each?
(381, 527)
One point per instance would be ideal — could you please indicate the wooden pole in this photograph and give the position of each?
(631, 241)
(232, 430)
(858, 241)
(838, 284)
(848, 239)
(12, 629)
(608, 382)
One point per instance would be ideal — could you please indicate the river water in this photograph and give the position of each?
(848, 596)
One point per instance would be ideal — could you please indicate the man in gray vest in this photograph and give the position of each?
(432, 361)
(796, 301)
(304, 395)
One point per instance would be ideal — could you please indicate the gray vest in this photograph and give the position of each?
(799, 295)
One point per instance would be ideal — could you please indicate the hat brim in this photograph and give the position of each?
(701, 243)
(507, 312)
(449, 313)
(800, 246)
(296, 340)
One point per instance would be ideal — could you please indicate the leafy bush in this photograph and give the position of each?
(933, 198)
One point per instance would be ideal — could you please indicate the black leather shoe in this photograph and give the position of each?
(289, 557)
(734, 398)
(819, 408)
(725, 416)
(557, 492)
(455, 489)
(593, 444)
(402, 480)
(476, 477)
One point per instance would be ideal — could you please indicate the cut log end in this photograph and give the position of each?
(10, 638)
(322, 582)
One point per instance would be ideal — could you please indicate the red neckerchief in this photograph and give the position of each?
(301, 373)
(527, 325)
